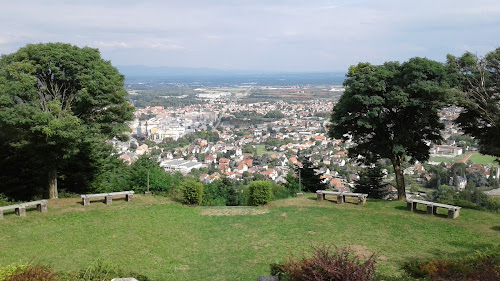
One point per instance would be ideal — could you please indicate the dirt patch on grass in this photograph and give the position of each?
(361, 251)
(233, 211)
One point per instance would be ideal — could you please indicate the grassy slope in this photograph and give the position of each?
(483, 159)
(167, 241)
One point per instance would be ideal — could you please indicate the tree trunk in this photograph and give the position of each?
(400, 179)
(53, 183)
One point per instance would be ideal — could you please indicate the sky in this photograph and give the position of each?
(258, 35)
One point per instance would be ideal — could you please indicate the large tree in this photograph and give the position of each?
(391, 111)
(52, 97)
(479, 80)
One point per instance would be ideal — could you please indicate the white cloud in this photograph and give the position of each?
(282, 34)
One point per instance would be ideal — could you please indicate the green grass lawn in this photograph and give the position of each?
(483, 159)
(167, 241)
(447, 159)
(261, 149)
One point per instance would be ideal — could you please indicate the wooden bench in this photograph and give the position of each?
(341, 196)
(20, 209)
(108, 197)
(453, 211)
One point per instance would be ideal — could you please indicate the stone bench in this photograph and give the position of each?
(108, 197)
(453, 211)
(20, 209)
(341, 196)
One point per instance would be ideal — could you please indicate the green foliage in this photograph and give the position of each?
(30, 272)
(326, 264)
(193, 192)
(370, 182)
(391, 111)
(477, 266)
(54, 97)
(159, 180)
(471, 198)
(479, 80)
(260, 192)
(292, 183)
(274, 114)
(7, 271)
(102, 270)
(310, 181)
(165, 97)
(223, 192)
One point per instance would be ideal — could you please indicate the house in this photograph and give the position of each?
(209, 159)
(270, 173)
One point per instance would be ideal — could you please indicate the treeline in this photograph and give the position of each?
(166, 97)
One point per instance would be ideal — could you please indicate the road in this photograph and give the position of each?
(233, 98)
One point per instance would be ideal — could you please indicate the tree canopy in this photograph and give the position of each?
(479, 80)
(391, 111)
(54, 98)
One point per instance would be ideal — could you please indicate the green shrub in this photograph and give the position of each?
(4, 200)
(193, 192)
(260, 192)
(279, 192)
(7, 271)
(479, 266)
(30, 272)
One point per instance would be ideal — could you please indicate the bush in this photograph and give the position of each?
(260, 192)
(479, 266)
(6, 271)
(193, 192)
(30, 272)
(280, 192)
(325, 264)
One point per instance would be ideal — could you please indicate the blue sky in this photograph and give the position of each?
(263, 35)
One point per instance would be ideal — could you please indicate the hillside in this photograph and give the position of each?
(167, 241)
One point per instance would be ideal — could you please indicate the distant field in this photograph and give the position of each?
(475, 158)
(483, 159)
(447, 159)
(167, 241)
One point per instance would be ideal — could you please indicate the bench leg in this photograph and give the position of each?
(414, 207)
(86, 201)
(452, 214)
(21, 211)
(430, 210)
(42, 208)
(434, 210)
(129, 197)
(319, 196)
(340, 199)
(361, 200)
(409, 206)
(108, 200)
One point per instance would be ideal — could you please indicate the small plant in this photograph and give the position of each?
(6, 271)
(326, 263)
(31, 272)
(102, 270)
(193, 192)
(260, 192)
